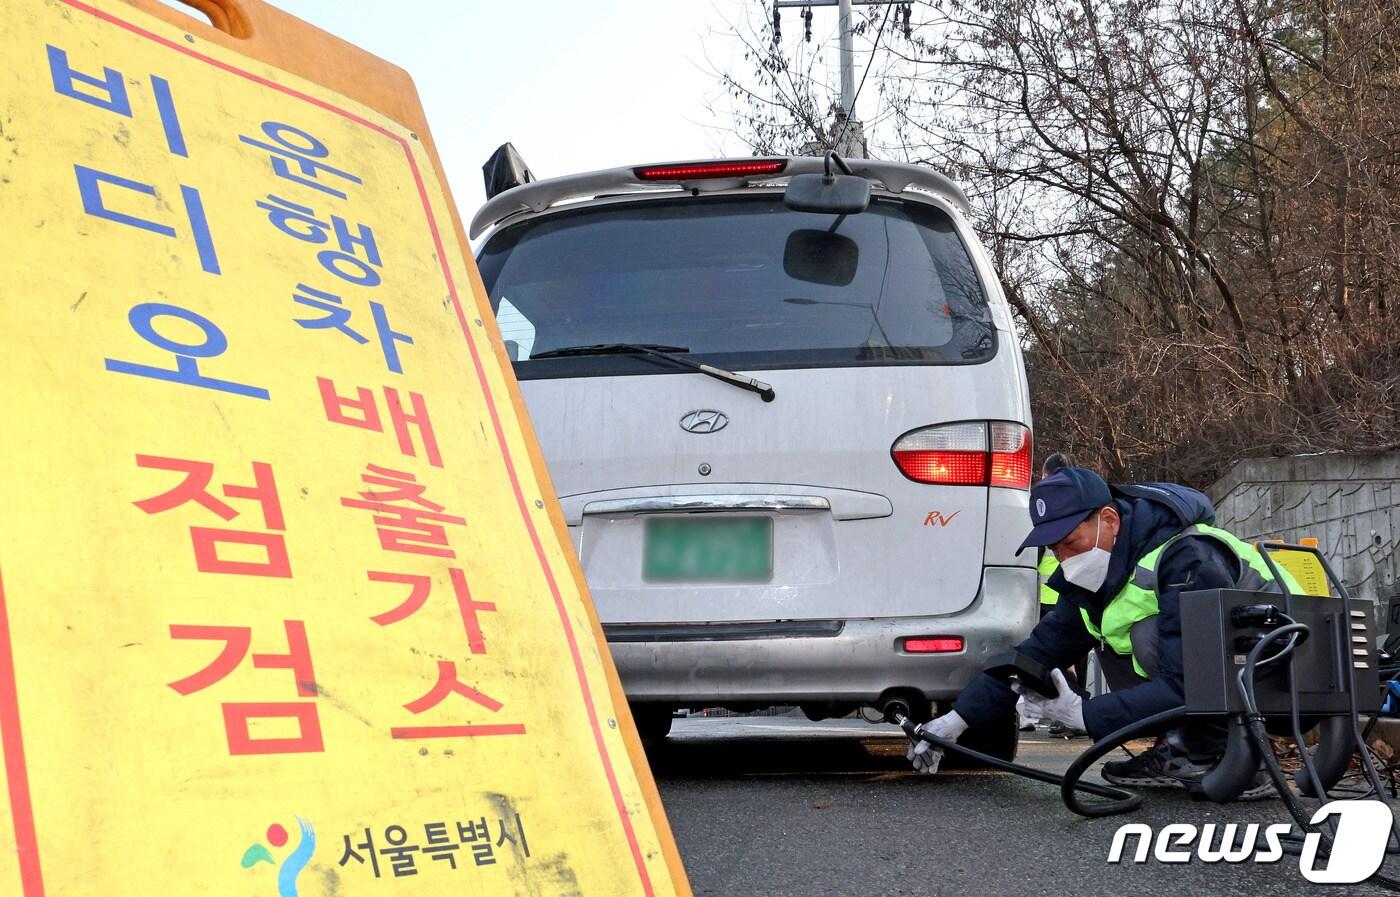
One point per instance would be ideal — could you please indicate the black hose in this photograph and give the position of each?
(1255, 722)
(1039, 775)
(1118, 800)
(1295, 720)
(1244, 684)
(1129, 801)
(1366, 764)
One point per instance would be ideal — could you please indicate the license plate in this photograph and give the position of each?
(734, 549)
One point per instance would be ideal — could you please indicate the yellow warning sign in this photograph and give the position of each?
(1304, 567)
(282, 608)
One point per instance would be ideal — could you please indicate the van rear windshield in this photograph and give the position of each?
(738, 282)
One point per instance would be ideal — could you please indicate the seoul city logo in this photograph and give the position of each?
(1363, 833)
(292, 864)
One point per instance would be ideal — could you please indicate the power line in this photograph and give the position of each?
(850, 92)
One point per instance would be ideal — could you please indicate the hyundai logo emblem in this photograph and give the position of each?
(704, 421)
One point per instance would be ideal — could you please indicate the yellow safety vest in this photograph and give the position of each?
(1137, 600)
(1048, 565)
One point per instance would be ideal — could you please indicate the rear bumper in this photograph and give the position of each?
(846, 661)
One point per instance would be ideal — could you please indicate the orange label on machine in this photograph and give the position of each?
(282, 610)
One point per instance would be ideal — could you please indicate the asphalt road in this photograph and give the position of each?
(779, 806)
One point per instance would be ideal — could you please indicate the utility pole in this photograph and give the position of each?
(846, 131)
(848, 61)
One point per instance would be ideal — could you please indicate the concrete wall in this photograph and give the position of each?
(1350, 503)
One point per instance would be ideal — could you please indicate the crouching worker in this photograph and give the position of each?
(1126, 554)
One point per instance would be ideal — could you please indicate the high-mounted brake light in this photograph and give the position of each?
(943, 644)
(976, 453)
(707, 170)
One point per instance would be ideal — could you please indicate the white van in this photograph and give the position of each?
(793, 446)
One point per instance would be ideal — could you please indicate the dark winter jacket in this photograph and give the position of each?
(1151, 513)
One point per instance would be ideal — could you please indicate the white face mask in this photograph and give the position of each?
(1089, 569)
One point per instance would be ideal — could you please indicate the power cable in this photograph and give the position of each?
(1255, 725)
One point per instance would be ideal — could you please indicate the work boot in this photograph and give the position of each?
(1060, 730)
(1160, 767)
(1165, 767)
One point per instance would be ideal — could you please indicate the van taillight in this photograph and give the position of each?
(992, 453)
(1011, 455)
(949, 455)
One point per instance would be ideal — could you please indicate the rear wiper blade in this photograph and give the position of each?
(667, 353)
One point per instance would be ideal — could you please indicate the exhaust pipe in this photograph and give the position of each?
(894, 708)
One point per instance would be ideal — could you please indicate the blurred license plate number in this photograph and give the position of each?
(731, 549)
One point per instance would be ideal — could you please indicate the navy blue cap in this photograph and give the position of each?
(1062, 501)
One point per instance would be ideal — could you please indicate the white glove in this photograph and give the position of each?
(1067, 709)
(1024, 718)
(923, 754)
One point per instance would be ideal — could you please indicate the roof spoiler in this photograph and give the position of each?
(894, 177)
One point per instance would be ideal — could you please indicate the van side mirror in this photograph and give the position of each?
(834, 194)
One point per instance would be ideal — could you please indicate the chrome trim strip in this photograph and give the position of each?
(730, 502)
